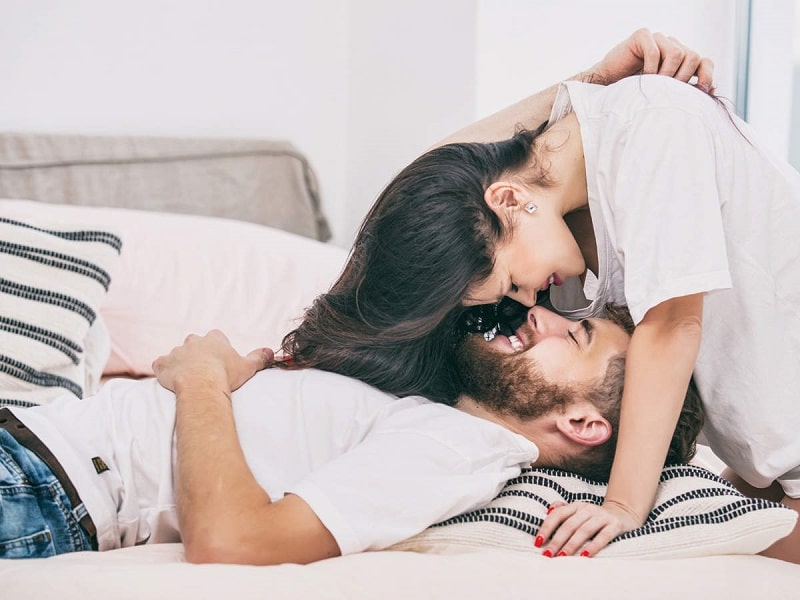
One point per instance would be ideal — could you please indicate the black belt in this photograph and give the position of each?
(27, 438)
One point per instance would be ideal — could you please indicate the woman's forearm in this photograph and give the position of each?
(659, 364)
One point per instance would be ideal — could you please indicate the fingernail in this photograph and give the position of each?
(551, 509)
(584, 553)
(547, 553)
(539, 541)
(562, 553)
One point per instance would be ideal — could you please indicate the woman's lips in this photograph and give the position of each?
(554, 279)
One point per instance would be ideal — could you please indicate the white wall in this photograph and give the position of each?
(794, 121)
(526, 46)
(411, 82)
(361, 86)
(250, 68)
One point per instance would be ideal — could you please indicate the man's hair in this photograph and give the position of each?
(595, 462)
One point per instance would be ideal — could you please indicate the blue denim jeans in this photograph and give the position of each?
(36, 517)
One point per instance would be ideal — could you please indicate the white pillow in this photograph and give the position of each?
(696, 513)
(181, 274)
(52, 279)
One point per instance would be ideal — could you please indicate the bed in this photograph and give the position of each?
(231, 234)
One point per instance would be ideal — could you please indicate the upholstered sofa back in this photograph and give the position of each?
(261, 181)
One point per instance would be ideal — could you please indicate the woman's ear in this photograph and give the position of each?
(503, 196)
(583, 424)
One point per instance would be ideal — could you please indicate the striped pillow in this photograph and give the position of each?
(51, 284)
(696, 513)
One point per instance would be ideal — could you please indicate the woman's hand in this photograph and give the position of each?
(206, 358)
(581, 528)
(646, 52)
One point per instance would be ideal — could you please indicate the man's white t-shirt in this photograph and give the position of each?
(683, 201)
(375, 469)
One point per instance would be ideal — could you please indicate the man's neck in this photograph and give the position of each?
(540, 431)
(476, 409)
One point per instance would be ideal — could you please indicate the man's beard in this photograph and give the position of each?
(507, 383)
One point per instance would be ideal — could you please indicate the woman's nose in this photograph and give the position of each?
(524, 296)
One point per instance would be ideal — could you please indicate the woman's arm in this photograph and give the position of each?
(659, 363)
(642, 52)
(225, 516)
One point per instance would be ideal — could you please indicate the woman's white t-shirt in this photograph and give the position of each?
(375, 469)
(683, 201)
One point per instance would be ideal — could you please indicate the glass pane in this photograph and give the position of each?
(794, 136)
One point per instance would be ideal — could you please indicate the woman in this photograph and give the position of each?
(398, 337)
(647, 193)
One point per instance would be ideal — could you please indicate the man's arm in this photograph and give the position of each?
(643, 52)
(224, 515)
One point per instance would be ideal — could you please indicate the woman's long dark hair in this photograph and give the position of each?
(390, 318)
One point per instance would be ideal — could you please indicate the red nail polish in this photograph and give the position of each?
(551, 509)
(547, 553)
(539, 541)
(562, 553)
(585, 553)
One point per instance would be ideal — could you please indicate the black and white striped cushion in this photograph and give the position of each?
(51, 284)
(696, 513)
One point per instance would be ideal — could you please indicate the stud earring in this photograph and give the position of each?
(531, 208)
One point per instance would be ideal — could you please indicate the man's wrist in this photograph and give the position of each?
(192, 381)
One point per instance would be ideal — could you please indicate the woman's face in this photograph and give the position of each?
(540, 252)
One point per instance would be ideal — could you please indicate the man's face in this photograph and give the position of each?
(551, 354)
(563, 351)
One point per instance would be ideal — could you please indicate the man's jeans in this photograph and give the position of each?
(36, 517)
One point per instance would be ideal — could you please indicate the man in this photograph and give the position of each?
(549, 368)
(296, 466)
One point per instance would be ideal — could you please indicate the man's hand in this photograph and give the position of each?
(201, 358)
(647, 53)
(581, 528)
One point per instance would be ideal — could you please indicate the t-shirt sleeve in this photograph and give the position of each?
(666, 210)
(400, 480)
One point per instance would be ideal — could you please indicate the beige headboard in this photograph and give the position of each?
(262, 181)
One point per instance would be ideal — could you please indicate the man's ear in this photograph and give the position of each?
(503, 197)
(583, 424)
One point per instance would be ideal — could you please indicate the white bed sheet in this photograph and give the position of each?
(155, 572)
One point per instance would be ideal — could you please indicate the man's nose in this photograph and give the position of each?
(546, 323)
